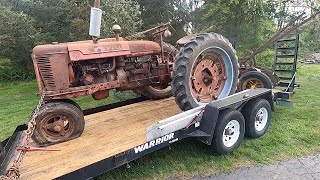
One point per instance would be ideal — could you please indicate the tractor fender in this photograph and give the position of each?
(186, 39)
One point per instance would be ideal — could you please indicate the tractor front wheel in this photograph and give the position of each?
(58, 122)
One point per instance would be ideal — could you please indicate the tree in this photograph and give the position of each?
(17, 38)
(59, 20)
(125, 13)
(248, 22)
(310, 38)
(155, 11)
(68, 20)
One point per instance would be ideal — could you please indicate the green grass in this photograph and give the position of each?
(17, 101)
(294, 132)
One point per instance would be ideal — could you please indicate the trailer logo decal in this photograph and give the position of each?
(153, 143)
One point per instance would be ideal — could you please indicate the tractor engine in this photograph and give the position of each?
(104, 70)
(94, 71)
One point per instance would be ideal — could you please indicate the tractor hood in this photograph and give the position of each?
(104, 48)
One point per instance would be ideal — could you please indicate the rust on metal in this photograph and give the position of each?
(252, 83)
(72, 77)
(38, 75)
(57, 126)
(35, 149)
(208, 77)
(81, 91)
(100, 95)
(97, 3)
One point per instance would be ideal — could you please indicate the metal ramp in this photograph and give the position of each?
(285, 64)
(286, 57)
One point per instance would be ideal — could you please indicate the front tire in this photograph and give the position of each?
(229, 132)
(206, 69)
(58, 122)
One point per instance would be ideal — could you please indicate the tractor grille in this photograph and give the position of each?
(46, 71)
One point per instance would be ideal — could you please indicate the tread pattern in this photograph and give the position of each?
(179, 82)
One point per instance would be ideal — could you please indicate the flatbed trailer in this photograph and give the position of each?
(119, 134)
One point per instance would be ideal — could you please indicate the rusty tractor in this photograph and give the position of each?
(71, 70)
(206, 69)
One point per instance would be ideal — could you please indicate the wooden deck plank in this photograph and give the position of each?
(106, 134)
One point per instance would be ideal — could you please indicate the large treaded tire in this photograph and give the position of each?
(152, 92)
(184, 63)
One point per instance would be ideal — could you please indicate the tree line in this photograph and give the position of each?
(26, 23)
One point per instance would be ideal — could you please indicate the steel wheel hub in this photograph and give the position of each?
(208, 77)
(57, 126)
(261, 119)
(231, 133)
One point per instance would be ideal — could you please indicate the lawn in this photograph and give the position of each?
(294, 132)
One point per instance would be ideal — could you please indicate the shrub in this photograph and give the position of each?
(265, 59)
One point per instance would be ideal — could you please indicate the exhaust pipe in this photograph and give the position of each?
(95, 20)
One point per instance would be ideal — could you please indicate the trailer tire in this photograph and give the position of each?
(58, 122)
(206, 69)
(160, 93)
(260, 80)
(229, 132)
(257, 114)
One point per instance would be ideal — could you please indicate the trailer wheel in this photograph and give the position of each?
(229, 132)
(206, 69)
(58, 122)
(253, 80)
(257, 114)
(160, 91)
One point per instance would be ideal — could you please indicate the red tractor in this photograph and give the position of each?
(206, 69)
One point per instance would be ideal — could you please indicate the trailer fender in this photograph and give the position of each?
(208, 123)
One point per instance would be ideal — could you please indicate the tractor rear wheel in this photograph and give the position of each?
(58, 122)
(161, 91)
(206, 69)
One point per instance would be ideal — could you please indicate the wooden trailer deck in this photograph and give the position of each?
(106, 134)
